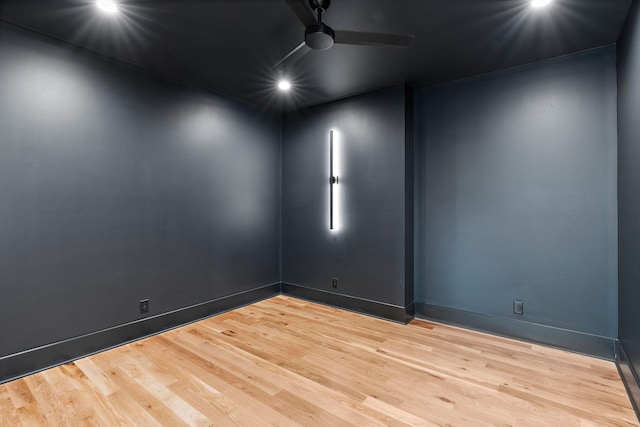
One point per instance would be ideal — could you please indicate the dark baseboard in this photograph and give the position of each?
(566, 339)
(629, 377)
(410, 312)
(26, 362)
(386, 311)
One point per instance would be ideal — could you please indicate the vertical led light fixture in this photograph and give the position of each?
(333, 179)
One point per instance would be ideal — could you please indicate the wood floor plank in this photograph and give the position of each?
(240, 401)
(48, 403)
(8, 412)
(290, 362)
(98, 379)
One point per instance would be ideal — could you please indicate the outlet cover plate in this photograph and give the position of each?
(144, 306)
(518, 307)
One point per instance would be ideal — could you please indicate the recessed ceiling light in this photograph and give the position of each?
(284, 85)
(540, 3)
(108, 6)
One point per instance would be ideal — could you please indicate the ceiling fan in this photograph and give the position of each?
(319, 36)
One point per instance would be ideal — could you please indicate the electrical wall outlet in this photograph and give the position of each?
(334, 283)
(144, 306)
(518, 307)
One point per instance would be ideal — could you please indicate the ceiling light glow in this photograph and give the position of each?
(284, 85)
(540, 3)
(108, 6)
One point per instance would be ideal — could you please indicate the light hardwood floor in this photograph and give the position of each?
(285, 361)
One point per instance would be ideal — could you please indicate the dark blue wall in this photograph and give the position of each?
(519, 193)
(367, 252)
(629, 186)
(116, 186)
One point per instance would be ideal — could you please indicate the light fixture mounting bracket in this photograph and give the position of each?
(320, 5)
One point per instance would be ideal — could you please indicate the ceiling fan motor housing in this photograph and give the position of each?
(319, 37)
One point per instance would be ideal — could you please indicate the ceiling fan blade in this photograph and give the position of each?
(372, 39)
(298, 52)
(303, 12)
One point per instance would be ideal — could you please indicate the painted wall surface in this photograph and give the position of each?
(366, 252)
(519, 193)
(629, 186)
(116, 186)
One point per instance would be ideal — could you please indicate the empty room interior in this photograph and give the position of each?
(320, 213)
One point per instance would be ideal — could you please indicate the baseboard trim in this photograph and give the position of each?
(17, 365)
(566, 339)
(410, 312)
(383, 310)
(629, 377)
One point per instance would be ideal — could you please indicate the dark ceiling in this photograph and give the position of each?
(229, 46)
